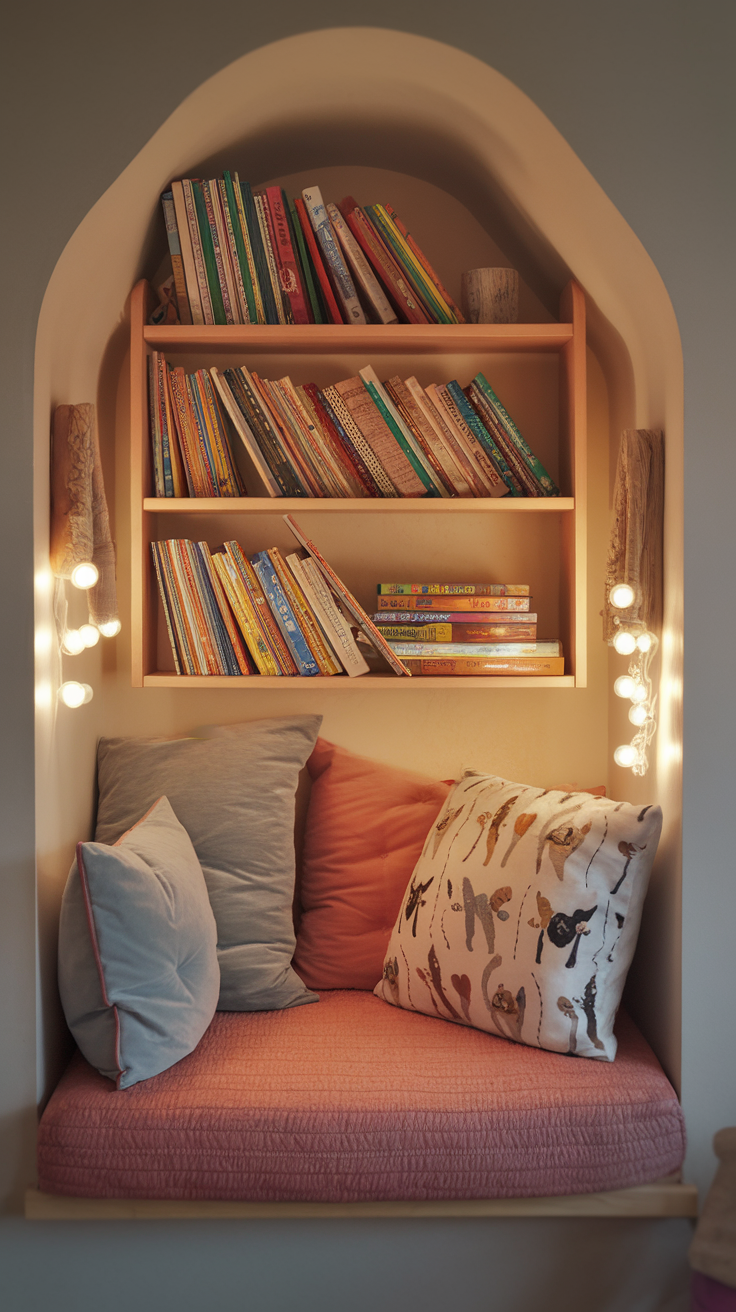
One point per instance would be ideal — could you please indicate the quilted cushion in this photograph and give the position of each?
(522, 914)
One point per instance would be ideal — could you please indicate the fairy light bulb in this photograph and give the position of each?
(89, 634)
(638, 714)
(75, 694)
(638, 693)
(85, 575)
(624, 686)
(110, 629)
(624, 642)
(625, 755)
(73, 642)
(644, 641)
(621, 595)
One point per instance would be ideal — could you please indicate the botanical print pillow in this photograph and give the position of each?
(522, 914)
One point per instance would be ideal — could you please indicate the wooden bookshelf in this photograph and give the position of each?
(338, 350)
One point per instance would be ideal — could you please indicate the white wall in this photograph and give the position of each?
(626, 78)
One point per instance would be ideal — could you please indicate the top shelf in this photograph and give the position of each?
(394, 338)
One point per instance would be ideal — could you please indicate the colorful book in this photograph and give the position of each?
(488, 458)
(285, 258)
(422, 258)
(363, 275)
(337, 270)
(416, 274)
(280, 300)
(246, 614)
(187, 254)
(487, 667)
(463, 633)
(331, 308)
(305, 616)
(284, 615)
(379, 437)
(208, 249)
(470, 604)
(453, 589)
(233, 206)
(336, 627)
(403, 435)
(509, 619)
(369, 464)
(266, 618)
(480, 651)
(481, 389)
(203, 289)
(177, 262)
(262, 285)
(426, 435)
(299, 245)
(386, 268)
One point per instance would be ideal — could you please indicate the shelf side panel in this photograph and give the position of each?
(573, 422)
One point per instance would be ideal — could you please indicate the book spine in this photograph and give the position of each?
(403, 436)
(266, 617)
(424, 288)
(284, 615)
(499, 479)
(244, 433)
(360, 268)
(197, 252)
(495, 433)
(305, 617)
(242, 261)
(163, 426)
(458, 603)
(335, 264)
(233, 240)
(332, 309)
(230, 481)
(344, 421)
(480, 651)
(458, 632)
(292, 447)
(177, 263)
(442, 462)
(461, 618)
(281, 303)
(421, 257)
(259, 254)
(469, 667)
(208, 250)
(187, 254)
(196, 467)
(154, 424)
(455, 396)
(300, 254)
(200, 639)
(353, 485)
(250, 273)
(329, 469)
(286, 261)
(550, 488)
(347, 598)
(245, 615)
(453, 589)
(334, 623)
(229, 645)
(380, 438)
(386, 268)
(179, 472)
(448, 437)
(166, 606)
(245, 394)
(221, 246)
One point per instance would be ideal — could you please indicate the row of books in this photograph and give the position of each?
(465, 629)
(228, 614)
(355, 438)
(243, 256)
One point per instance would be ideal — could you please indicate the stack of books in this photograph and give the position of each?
(227, 614)
(242, 256)
(464, 629)
(357, 437)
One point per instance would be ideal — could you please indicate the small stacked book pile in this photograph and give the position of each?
(228, 614)
(463, 629)
(240, 256)
(358, 437)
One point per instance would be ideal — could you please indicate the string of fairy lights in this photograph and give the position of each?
(635, 640)
(73, 641)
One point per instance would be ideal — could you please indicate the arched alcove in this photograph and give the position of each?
(381, 104)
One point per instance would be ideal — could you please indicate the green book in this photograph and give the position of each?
(300, 249)
(549, 487)
(232, 206)
(416, 464)
(208, 253)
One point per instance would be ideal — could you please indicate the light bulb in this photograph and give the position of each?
(73, 642)
(90, 634)
(624, 642)
(85, 575)
(638, 714)
(110, 629)
(624, 685)
(621, 595)
(644, 641)
(625, 755)
(75, 694)
(638, 693)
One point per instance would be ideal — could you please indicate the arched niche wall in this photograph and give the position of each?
(390, 101)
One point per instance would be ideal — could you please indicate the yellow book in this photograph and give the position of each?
(305, 618)
(242, 609)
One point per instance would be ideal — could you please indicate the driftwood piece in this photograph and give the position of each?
(636, 546)
(80, 524)
(713, 1250)
(490, 295)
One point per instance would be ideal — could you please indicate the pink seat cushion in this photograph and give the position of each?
(352, 1100)
(366, 827)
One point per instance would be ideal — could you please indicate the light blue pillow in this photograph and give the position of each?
(138, 971)
(234, 791)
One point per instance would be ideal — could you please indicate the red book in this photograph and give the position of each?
(457, 604)
(328, 295)
(424, 263)
(383, 263)
(284, 253)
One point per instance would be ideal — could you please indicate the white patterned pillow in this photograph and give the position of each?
(522, 914)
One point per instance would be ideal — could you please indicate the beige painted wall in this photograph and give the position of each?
(442, 116)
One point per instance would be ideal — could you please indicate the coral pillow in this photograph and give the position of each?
(366, 827)
(522, 914)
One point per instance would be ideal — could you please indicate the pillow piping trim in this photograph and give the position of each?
(98, 959)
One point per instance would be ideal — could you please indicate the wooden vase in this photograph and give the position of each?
(490, 295)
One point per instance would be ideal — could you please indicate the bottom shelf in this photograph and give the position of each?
(365, 681)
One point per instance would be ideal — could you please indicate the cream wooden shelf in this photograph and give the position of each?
(339, 346)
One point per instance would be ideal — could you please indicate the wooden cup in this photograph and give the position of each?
(490, 295)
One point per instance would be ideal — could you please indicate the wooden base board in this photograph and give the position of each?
(663, 1198)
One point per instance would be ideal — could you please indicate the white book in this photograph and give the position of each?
(335, 626)
(187, 254)
(336, 266)
(361, 268)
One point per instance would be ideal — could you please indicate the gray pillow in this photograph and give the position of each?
(234, 793)
(138, 971)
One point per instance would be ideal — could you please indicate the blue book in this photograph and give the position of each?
(283, 614)
(478, 428)
(199, 557)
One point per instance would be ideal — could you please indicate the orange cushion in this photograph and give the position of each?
(365, 830)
